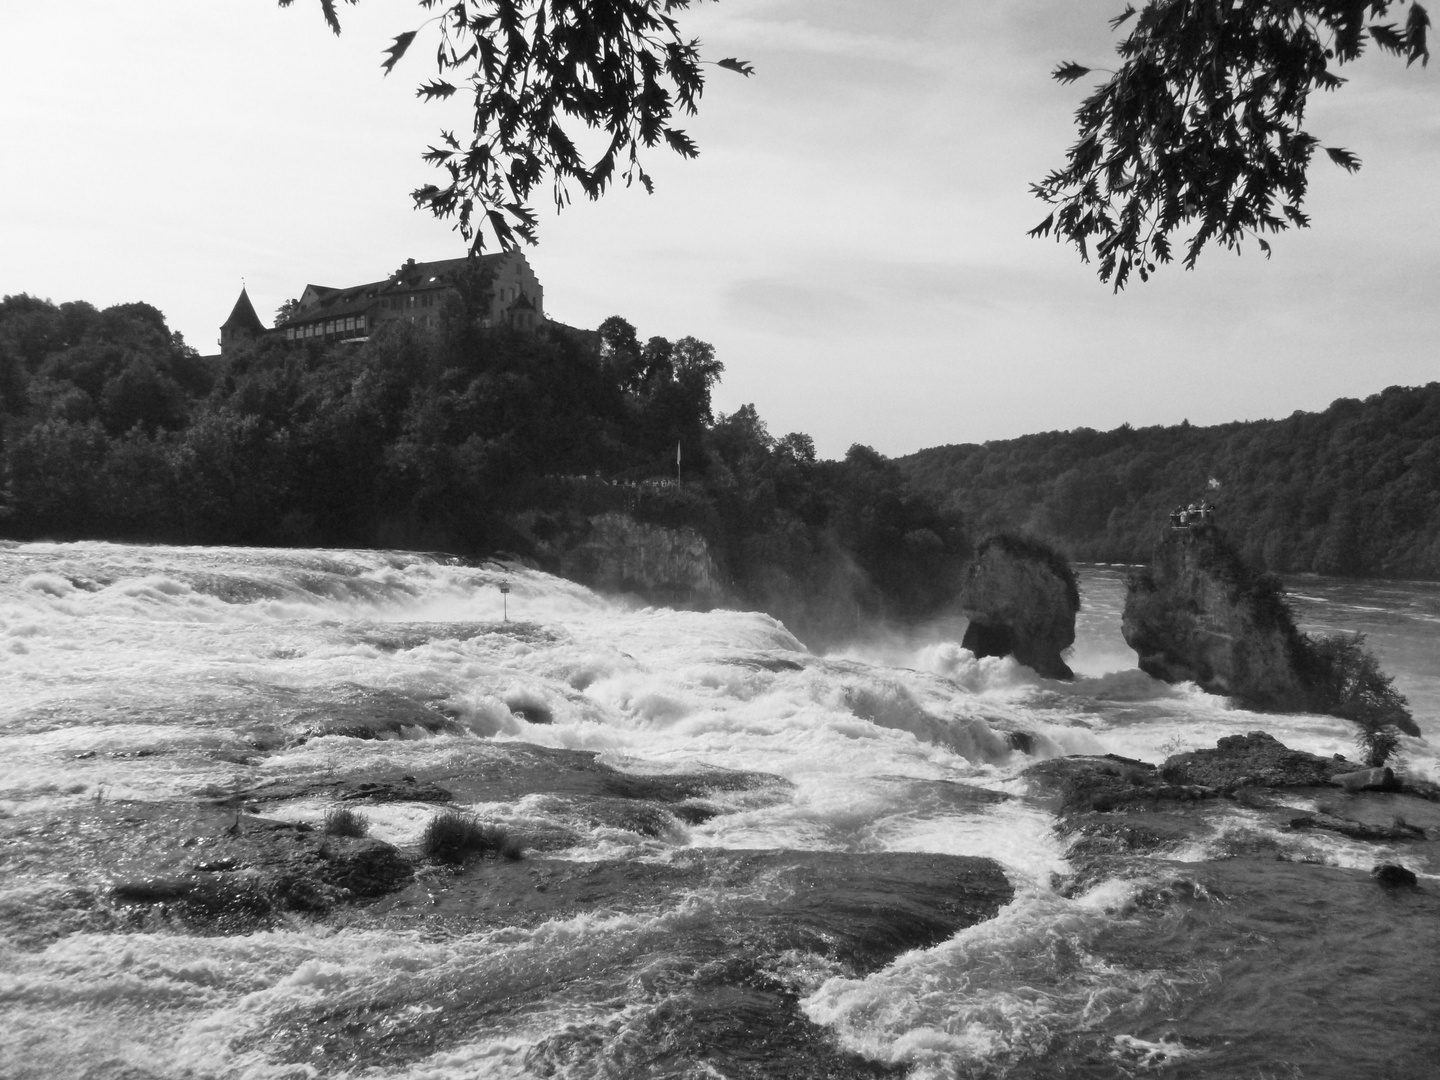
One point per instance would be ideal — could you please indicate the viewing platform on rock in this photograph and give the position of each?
(1196, 517)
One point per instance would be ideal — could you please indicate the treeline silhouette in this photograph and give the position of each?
(111, 427)
(1353, 490)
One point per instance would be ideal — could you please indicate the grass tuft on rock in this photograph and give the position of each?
(452, 836)
(343, 821)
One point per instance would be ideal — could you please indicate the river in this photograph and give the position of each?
(148, 676)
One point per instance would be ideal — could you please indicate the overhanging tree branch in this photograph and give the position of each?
(1199, 131)
(540, 74)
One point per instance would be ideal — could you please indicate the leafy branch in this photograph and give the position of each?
(1200, 131)
(540, 74)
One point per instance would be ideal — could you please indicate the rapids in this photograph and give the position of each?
(156, 675)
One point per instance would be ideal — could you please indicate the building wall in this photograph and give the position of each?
(518, 299)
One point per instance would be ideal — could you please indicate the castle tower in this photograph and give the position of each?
(243, 325)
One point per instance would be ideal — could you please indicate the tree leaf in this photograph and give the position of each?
(1388, 38)
(742, 66)
(397, 49)
(1043, 229)
(681, 143)
(1119, 20)
(1069, 72)
(435, 88)
(1344, 158)
(1415, 27)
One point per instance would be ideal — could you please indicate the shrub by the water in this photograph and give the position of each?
(343, 821)
(1349, 683)
(452, 836)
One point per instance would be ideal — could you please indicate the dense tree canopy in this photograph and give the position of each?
(463, 437)
(1353, 490)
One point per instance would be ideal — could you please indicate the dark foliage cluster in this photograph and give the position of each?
(1199, 130)
(1353, 490)
(436, 440)
(1348, 682)
(827, 546)
(346, 821)
(112, 428)
(453, 836)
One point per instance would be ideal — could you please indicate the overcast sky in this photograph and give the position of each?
(851, 239)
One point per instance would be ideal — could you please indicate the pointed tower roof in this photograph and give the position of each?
(243, 317)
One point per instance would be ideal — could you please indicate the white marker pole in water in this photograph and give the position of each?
(505, 599)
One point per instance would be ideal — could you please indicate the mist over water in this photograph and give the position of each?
(158, 674)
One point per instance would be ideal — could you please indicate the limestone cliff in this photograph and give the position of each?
(1198, 613)
(1021, 598)
(615, 553)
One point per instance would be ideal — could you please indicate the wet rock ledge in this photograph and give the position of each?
(1117, 809)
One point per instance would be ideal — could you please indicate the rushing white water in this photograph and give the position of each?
(136, 673)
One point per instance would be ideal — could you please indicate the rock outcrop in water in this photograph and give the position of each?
(1199, 614)
(1021, 597)
(1116, 809)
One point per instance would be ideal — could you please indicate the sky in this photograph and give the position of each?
(851, 238)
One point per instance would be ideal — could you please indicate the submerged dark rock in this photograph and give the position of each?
(1358, 830)
(1380, 779)
(275, 870)
(1394, 875)
(732, 1008)
(364, 713)
(1021, 597)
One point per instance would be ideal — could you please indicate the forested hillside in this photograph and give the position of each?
(112, 428)
(1353, 490)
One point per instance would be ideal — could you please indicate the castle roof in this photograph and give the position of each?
(242, 316)
(322, 301)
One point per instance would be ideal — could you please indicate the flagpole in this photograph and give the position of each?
(677, 462)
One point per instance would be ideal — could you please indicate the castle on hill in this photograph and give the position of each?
(413, 293)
